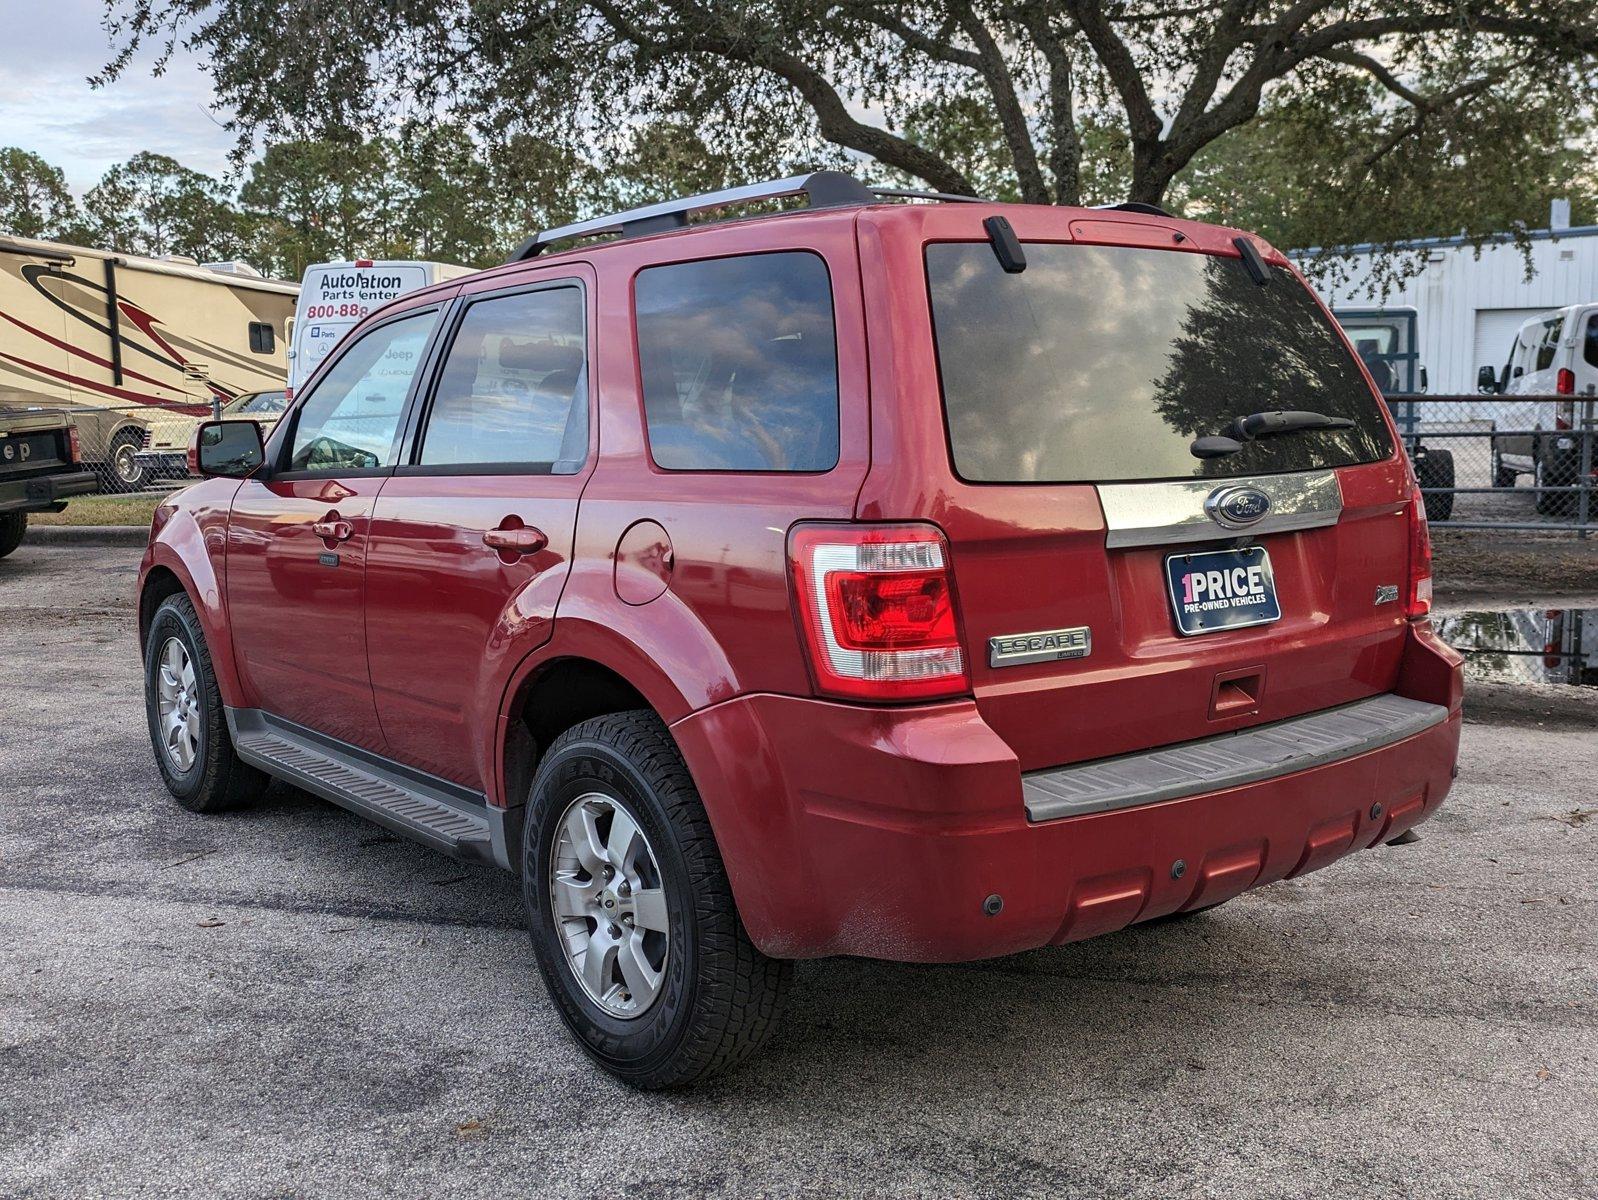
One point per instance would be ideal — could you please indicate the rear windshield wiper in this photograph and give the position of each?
(1264, 424)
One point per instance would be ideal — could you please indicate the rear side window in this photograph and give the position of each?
(514, 388)
(1549, 346)
(1103, 363)
(1589, 342)
(740, 363)
(351, 421)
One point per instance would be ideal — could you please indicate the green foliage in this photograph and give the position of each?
(153, 205)
(34, 200)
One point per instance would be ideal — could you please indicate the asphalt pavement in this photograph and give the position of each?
(291, 1002)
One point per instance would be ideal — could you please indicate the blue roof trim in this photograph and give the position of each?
(1531, 235)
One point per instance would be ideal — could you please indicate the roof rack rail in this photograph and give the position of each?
(912, 194)
(823, 189)
(1135, 206)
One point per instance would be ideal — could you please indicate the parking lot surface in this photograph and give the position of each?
(289, 1001)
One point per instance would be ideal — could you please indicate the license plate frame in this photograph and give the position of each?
(1197, 612)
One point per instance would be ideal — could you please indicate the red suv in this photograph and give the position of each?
(924, 581)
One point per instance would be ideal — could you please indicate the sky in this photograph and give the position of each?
(49, 48)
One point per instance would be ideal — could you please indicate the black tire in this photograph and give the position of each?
(13, 528)
(1503, 477)
(1560, 472)
(720, 996)
(122, 472)
(217, 779)
(1435, 469)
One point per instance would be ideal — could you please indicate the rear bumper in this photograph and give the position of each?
(883, 833)
(40, 493)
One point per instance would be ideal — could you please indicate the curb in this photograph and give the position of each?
(90, 535)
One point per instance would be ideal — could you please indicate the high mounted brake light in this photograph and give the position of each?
(876, 606)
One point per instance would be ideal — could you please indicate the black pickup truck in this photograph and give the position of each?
(39, 468)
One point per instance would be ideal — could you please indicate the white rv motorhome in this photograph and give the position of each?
(138, 350)
(335, 295)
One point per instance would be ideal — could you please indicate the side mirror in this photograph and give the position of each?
(1486, 380)
(1425, 381)
(231, 449)
(1518, 372)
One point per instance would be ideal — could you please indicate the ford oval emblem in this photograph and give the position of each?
(1237, 506)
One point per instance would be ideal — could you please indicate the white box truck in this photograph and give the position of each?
(335, 295)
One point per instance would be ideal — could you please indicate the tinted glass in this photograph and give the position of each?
(263, 403)
(1589, 342)
(1549, 345)
(351, 419)
(1102, 363)
(740, 364)
(514, 388)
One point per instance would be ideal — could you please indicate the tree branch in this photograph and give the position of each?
(1012, 118)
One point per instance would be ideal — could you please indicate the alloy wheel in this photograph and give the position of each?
(177, 695)
(610, 908)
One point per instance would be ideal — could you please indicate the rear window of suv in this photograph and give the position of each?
(1103, 363)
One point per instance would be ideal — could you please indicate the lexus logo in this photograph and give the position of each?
(1237, 506)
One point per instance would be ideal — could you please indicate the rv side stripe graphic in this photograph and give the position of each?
(79, 350)
(189, 407)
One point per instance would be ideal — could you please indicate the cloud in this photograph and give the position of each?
(47, 106)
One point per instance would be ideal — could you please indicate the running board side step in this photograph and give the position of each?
(433, 811)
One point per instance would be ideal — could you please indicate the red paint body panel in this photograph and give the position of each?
(845, 828)
(299, 625)
(880, 833)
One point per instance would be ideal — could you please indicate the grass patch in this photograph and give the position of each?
(136, 509)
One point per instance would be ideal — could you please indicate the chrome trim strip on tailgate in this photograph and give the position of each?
(1227, 760)
(1167, 511)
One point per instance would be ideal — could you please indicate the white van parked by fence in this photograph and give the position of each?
(1553, 354)
(335, 295)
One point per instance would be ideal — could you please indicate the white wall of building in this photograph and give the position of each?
(1469, 306)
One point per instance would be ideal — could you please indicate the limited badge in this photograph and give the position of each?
(1386, 593)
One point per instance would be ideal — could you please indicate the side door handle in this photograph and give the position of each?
(333, 529)
(524, 539)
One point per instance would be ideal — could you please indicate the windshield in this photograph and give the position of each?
(1103, 363)
(259, 402)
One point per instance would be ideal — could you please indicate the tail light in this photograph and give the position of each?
(1565, 382)
(1418, 599)
(74, 446)
(876, 608)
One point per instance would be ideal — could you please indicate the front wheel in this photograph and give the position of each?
(188, 728)
(122, 471)
(13, 527)
(632, 918)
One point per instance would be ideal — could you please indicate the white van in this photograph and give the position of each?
(335, 295)
(1554, 354)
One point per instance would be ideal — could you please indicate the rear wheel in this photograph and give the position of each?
(1554, 504)
(188, 728)
(13, 527)
(1435, 469)
(632, 917)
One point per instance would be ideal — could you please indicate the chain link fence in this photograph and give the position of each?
(135, 446)
(1503, 462)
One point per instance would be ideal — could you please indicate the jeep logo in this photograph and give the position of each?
(1237, 506)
